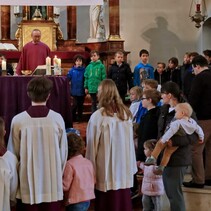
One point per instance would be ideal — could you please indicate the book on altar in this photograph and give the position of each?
(40, 70)
(7, 47)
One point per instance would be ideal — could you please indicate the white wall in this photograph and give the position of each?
(160, 26)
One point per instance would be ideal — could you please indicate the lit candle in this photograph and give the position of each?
(48, 61)
(4, 65)
(55, 62)
(48, 65)
(59, 62)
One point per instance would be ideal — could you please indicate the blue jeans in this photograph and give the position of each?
(151, 203)
(81, 206)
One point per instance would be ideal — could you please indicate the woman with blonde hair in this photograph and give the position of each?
(110, 148)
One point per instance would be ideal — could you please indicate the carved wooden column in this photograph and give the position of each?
(71, 22)
(50, 12)
(5, 22)
(114, 20)
(26, 12)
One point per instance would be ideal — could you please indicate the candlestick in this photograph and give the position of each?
(48, 66)
(4, 65)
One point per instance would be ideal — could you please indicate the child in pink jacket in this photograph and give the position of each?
(152, 185)
(78, 178)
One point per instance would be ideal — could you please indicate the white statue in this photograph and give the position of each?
(97, 25)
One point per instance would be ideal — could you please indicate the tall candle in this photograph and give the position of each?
(48, 61)
(48, 66)
(59, 62)
(55, 62)
(4, 65)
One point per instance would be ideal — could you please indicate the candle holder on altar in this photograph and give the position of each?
(48, 69)
(4, 67)
(57, 66)
(3, 72)
(57, 70)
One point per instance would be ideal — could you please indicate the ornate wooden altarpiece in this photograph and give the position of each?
(34, 19)
(52, 35)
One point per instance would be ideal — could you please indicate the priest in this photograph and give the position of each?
(33, 53)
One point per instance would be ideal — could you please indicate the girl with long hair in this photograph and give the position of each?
(110, 148)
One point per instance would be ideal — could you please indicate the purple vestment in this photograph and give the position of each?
(32, 55)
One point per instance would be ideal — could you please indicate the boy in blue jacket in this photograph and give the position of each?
(76, 77)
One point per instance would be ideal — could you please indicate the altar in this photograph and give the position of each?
(67, 57)
(14, 98)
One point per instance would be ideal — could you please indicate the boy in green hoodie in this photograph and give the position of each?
(95, 72)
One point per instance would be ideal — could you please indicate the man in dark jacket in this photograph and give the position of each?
(200, 100)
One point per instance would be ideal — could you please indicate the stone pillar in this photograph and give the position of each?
(50, 13)
(5, 22)
(114, 20)
(71, 22)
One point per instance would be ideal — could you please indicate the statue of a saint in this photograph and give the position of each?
(97, 25)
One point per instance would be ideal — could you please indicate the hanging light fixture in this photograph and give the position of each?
(200, 12)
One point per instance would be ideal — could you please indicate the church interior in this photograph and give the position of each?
(162, 27)
(165, 28)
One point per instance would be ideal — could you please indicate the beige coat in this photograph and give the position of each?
(110, 147)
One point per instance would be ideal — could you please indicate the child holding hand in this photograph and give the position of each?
(152, 185)
(78, 177)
